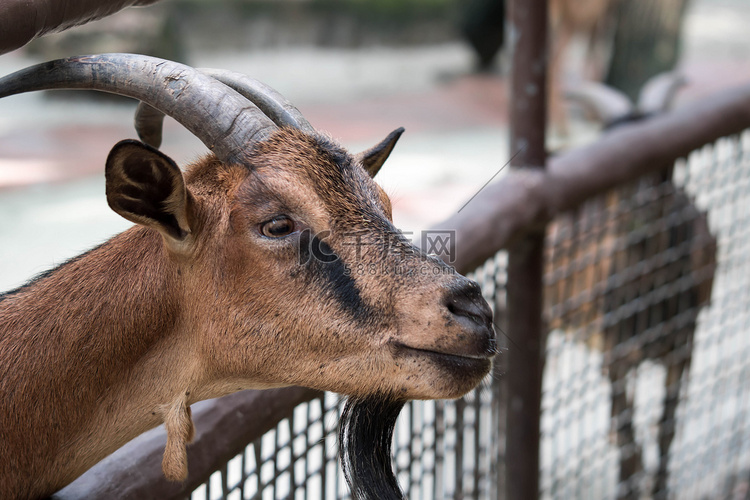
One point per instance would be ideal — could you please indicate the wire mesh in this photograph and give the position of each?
(648, 299)
(645, 384)
(296, 460)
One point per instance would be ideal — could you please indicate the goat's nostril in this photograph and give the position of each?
(469, 304)
(453, 309)
(467, 310)
(470, 314)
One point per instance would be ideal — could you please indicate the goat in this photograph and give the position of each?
(271, 262)
(646, 262)
(569, 18)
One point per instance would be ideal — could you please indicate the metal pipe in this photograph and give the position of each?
(525, 257)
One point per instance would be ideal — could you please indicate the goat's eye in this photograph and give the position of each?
(277, 227)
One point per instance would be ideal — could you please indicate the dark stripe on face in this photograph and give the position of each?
(329, 270)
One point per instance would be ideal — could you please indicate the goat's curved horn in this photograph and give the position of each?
(149, 121)
(273, 104)
(607, 104)
(219, 116)
(658, 94)
(149, 124)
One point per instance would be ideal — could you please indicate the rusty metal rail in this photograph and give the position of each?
(525, 299)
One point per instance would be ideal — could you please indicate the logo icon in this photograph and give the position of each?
(440, 242)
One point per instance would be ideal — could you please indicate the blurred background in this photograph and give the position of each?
(357, 69)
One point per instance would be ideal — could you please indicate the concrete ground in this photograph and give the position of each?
(52, 150)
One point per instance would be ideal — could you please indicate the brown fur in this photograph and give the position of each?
(130, 334)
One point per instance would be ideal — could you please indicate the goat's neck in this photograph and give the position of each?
(93, 355)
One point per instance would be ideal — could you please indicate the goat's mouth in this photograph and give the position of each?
(468, 364)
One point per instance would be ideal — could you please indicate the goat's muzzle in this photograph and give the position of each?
(461, 346)
(467, 306)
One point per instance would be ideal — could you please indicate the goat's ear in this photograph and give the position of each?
(146, 187)
(373, 158)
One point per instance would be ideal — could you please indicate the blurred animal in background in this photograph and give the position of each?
(587, 21)
(610, 41)
(611, 107)
(630, 272)
(483, 27)
(627, 44)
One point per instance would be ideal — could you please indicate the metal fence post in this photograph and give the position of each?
(528, 34)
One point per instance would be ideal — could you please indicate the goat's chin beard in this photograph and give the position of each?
(365, 439)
